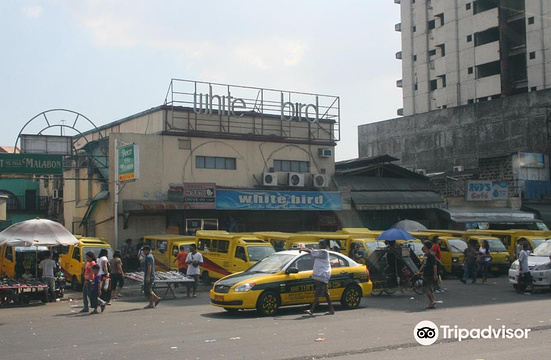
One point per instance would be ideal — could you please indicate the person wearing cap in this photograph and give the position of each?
(321, 276)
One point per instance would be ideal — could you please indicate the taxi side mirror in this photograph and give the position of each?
(291, 270)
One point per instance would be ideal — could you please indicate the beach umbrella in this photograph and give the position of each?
(394, 234)
(37, 232)
(410, 226)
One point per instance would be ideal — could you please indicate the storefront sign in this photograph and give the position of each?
(277, 200)
(487, 190)
(31, 164)
(199, 195)
(128, 162)
(531, 160)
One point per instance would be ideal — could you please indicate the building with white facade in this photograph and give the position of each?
(458, 52)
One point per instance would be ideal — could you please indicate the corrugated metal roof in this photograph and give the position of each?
(367, 183)
(391, 200)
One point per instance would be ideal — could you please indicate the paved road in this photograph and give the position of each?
(192, 329)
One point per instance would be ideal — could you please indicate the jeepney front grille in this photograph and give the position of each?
(224, 289)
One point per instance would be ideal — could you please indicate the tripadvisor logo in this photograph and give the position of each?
(426, 333)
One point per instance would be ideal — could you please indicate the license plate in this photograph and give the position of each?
(218, 298)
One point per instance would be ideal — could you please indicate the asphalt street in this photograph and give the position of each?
(186, 328)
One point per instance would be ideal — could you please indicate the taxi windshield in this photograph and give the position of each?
(457, 246)
(257, 253)
(544, 249)
(272, 264)
(496, 245)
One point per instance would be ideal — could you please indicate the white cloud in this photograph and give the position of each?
(32, 11)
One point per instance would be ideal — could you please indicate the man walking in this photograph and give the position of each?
(321, 276)
(193, 260)
(430, 272)
(469, 264)
(48, 267)
(524, 271)
(437, 251)
(149, 278)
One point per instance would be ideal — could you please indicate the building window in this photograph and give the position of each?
(444, 106)
(291, 166)
(442, 49)
(469, 38)
(414, 57)
(484, 5)
(432, 52)
(470, 70)
(414, 28)
(486, 36)
(443, 79)
(432, 24)
(534, 88)
(441, 17)
(468, 6)
(532, 55)
(530, 20)
(488, 69)
(415, 86)
(470, 101)
(433, 85)
(215, 162)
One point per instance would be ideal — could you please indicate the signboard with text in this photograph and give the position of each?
(277, 200)
(532, 160)
(487, 190)
(128, 162)
(200, 195)
(31, 164)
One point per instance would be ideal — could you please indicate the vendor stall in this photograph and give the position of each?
(163, 280)
(15, 293)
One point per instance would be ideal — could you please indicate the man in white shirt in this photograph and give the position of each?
(524, 271)
(321, 276)
(194, 259)
(48, 273)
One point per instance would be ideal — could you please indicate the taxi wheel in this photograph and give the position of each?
(351, 297)
(267, 303)
(205, 278)
(74, 284)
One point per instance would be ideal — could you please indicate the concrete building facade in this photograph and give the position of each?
(457, 52)
(242, 171)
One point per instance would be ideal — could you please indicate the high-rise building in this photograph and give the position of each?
(457, 52)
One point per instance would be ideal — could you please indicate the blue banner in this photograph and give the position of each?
(277, 200)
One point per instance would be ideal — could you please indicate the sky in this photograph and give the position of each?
(109, 59)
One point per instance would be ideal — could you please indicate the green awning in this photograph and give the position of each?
(104, 194)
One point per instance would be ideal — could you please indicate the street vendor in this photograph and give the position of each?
(48, 267)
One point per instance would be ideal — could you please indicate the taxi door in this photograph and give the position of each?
(240, 260)
(74, 264)
(8, 261)
(340, 276)
(299, 288)
(161, 255)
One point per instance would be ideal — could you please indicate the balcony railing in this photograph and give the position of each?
(27, 204)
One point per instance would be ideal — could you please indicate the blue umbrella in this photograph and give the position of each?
(395, 234)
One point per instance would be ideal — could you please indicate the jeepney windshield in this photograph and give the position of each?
(457, 246)
(257, 253)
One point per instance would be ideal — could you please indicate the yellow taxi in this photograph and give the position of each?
(285, 278)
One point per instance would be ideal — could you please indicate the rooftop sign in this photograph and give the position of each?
(31, 164)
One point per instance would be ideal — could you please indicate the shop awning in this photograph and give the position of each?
(151, 205)
(542, 211)
(394, 200)
(99, 196)
(490, 215)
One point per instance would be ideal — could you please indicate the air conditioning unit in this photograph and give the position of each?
(421, 171)
(57, 194)
(325, 153)
(296, 179)
(269, 179)
(320, 180)
(458, 168)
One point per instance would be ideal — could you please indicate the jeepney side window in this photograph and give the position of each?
(304, 263)
(204, 244)
(162, 245)
(278, 245)
(76, 253)
(240, 253)
(175, 250)
(223, 246)
(151, 243)
(8, 254)
(444, 246)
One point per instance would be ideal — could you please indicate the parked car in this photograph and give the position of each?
(539, 264)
